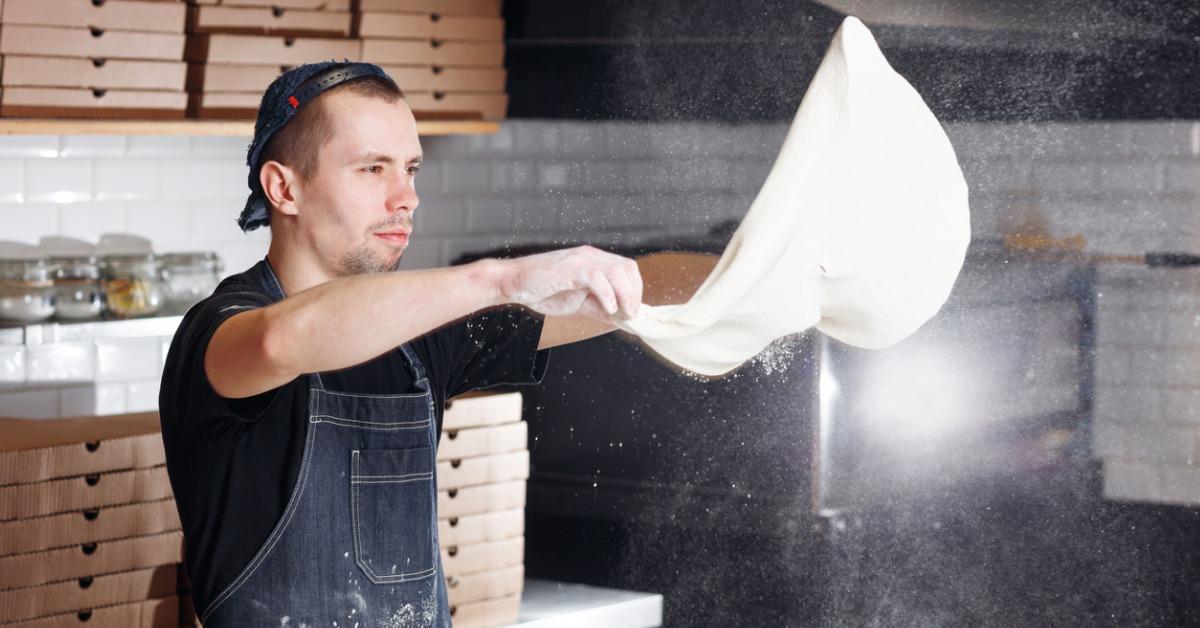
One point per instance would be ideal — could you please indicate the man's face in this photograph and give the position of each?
(357, 208)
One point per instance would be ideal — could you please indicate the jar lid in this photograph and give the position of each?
(143, 262)
(207, 260)
(35, 269)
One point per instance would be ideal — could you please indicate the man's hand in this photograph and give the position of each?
(582, 280)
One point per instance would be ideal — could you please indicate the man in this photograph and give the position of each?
(301, 402)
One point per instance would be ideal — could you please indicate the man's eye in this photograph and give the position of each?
(374, 169)
(413, 170)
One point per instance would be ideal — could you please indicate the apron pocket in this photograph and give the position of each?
(391, 500)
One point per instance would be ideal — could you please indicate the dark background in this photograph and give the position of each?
(752, 59)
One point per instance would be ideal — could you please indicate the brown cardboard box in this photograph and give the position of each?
(23, 71)
(431, 78)
(481, 441)
(432, 52)
(88, 592)
(429, 26)
(486, 585)
(124, 15)
(472, 500)
(459, 560)
(19, 536)
(262, 49)
(56, 41)
(498, 612)
(56, 102)
(480, 528)
(458, 105)
(113, 488)
(478, 410)
(461, 472)
(225, 77)
(89, 526)
(328, 5)
(148, 614)
(225, 105)
(454, 7)
(268, 21)
(36, 451)
(92, 559)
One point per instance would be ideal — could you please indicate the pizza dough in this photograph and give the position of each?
(860, 230)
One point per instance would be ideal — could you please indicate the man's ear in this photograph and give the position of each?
(281, 186)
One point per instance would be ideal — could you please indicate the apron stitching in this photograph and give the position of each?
(345, 420)
(276, 534)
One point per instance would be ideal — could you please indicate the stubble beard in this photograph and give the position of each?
(362, 260)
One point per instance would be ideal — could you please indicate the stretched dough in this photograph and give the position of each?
(860, 230)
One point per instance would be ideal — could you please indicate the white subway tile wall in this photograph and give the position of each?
(1127, 187)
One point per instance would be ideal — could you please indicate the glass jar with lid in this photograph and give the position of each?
(133, 285)
(26, 290)
(189, 277)
(78, 294)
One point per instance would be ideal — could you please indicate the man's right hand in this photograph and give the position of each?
(582, 280)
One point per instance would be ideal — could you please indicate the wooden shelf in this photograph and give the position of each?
(244, 128)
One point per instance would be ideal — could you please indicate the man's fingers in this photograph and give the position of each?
(600, 286)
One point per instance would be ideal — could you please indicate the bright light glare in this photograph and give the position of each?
(916, 394)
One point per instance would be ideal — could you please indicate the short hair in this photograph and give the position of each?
(297, 145)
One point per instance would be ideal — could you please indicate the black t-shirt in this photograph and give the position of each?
(233, 462)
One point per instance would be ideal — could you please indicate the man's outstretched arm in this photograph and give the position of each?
(350, 320)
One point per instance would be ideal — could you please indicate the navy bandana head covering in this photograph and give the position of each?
(284, 97)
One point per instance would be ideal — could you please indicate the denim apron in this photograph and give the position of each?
(357, 543)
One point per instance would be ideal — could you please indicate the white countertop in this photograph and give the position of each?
(546, 604)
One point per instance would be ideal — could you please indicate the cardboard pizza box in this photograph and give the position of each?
(92, 43)
(478, 410)
(327, 5)
(90, 559)
(482, 527)
(263, 49)
(451, 7)
(227, 77)
(457, 502)
(481, 441)
(108, 523)
(486, 585)
(28, 71)
(88, 592)
(432, 52)
(55, 102)
(157, 613)
(498, 612)
(268, 21)
(462, 472)
(122, 15)
(37, 450)
(224, 105)
(458, 105)
(429, 26)
(455, 79)
(113, 488)
(460, 560)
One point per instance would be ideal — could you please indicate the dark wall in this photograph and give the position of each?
(751, 60)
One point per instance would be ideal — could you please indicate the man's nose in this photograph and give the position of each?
(403, 195)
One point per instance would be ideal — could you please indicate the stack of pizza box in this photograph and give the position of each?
(89, 532)
(92, 58)
(447, 55)
(483, 462)
(235, 48)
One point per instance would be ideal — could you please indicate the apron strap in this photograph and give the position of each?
(414, 365)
